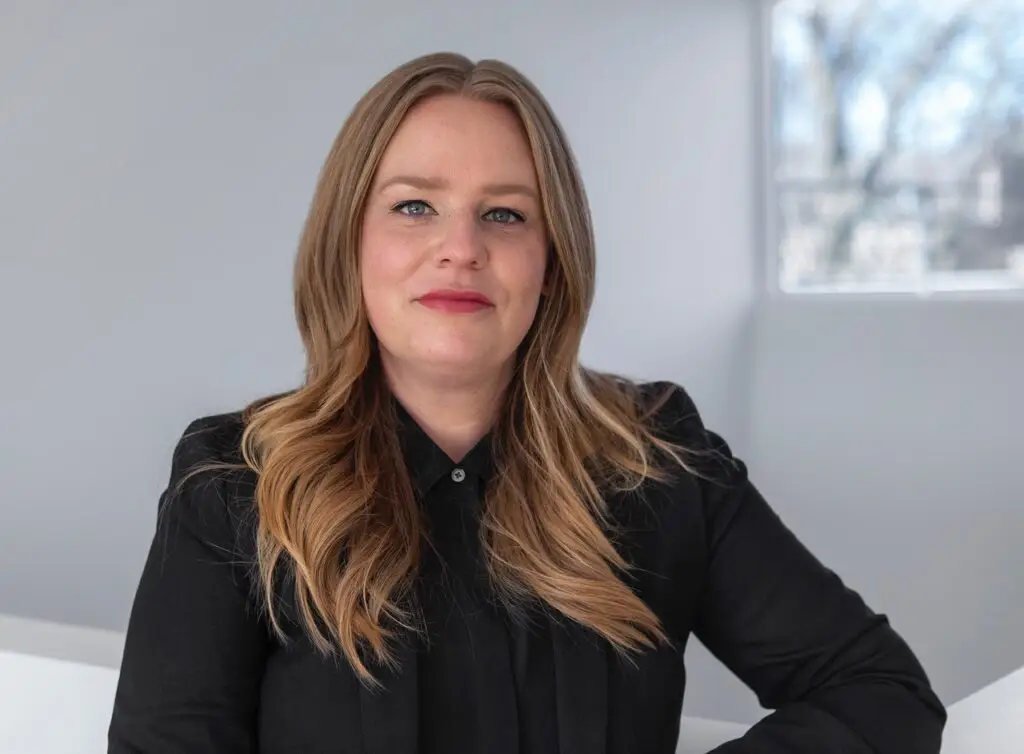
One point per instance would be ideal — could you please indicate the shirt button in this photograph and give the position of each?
(458, 475)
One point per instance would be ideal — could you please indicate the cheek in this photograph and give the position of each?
(534, 271)
(384, 265)
(381, 276)
(524, 279)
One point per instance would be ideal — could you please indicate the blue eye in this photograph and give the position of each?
(413, 208)
(505, 216)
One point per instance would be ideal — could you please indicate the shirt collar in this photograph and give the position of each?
(428, 464)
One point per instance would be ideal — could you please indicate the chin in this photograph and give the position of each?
(455, 356)
(462, 361)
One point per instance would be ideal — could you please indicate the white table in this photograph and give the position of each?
(990, 721)
(53, 706)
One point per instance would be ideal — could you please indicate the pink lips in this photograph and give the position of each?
(456, 301)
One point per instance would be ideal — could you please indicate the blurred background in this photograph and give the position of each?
(898, 144)
(810, 214)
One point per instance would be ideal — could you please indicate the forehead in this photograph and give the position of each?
(451, 136)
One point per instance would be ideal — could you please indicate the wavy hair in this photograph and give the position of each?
(335, 504)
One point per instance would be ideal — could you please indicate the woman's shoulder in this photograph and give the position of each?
(661, 411)
(672, 415)
(215, 439)
(667, 409)
(211, 491)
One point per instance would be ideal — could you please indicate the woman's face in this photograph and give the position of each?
(454, 246)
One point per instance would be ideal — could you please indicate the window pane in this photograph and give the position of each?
(898, 135)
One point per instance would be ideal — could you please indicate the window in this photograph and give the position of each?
(898, 144)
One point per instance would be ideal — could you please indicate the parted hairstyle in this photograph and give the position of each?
(335, 504)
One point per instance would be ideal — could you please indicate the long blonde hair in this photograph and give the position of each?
(335, 504)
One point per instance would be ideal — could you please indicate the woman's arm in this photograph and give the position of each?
(195, 647)
(840, 679)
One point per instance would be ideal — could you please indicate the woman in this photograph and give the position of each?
(454, 538)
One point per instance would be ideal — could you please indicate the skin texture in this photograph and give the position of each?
(454, 205)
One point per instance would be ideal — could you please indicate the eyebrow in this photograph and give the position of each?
(433, 184)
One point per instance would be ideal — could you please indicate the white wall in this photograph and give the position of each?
(157, 160)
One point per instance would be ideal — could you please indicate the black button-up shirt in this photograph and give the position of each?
(203, 674)
(486, 682)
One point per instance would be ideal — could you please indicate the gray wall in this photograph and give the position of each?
(158, 159)
(889, 433)
(155, 166)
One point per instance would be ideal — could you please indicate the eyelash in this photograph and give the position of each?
(518, 217)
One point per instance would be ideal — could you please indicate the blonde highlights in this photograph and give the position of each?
(336, 507)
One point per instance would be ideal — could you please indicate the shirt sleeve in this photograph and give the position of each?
(839, 679)
(195, 645)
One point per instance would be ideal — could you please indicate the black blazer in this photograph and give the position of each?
(202, 673)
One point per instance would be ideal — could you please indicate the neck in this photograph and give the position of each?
(455, 413)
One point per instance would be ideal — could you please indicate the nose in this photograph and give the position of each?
(463, 243)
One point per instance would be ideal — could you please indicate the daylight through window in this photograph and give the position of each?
(898, 144)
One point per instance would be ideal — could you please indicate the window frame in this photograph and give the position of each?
(766, 228)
